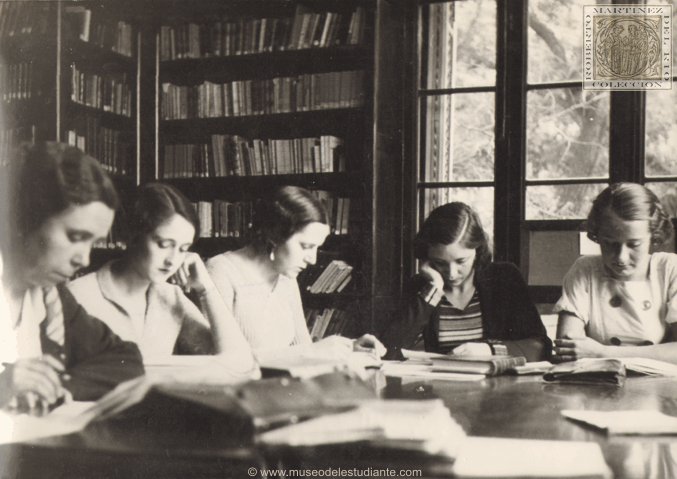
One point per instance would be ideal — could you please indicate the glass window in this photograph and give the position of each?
(560, 202)
(556, 40)
(661, 133)
(567, 134)
(667, 193)
(460, 137)
(461, 44)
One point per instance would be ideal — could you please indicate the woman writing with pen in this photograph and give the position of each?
(58, 202)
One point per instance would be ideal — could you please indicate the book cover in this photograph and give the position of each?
(488, 365)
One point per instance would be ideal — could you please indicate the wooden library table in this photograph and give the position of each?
(502, 407)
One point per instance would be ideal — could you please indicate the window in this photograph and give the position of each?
(457, 106)
(506, 127)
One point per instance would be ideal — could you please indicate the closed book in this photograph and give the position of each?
(588, 371)
(488, 365)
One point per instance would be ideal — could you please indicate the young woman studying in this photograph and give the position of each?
(461, 302)
(258, 282)
(57, 202)
(133, 297)
(626, 296)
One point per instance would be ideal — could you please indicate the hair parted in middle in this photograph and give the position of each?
(631, 202)
(155, 203)
(284, 213)
(450, 223)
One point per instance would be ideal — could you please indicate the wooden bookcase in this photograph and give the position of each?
(356, 131)
(279, 98)
(69, 72)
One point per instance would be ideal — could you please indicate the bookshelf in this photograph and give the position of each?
(319, 108)
(259, 94)
(69, 72)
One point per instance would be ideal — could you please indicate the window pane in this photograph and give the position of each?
(556, 40)
(567, 134)
(480, 199)
(459, 137)
(667, 193)
(560, 202)
(462, 44)
(661, 132)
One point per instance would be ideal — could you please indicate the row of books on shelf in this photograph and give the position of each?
(326, 322)
(338, 209)
(224, 219)
(24, 18)
(244, 36)
(116, 36)
(233, 155)
(11, 138)
(332, 279)
(105, 144)
(15, 81)
(111, 93)
(308, 92)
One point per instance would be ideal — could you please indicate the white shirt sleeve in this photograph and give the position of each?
(576, 291)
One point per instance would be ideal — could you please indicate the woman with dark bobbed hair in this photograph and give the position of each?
(133, 297)
(461, 302)
(627, 296)
(258, 282)
(57, 202)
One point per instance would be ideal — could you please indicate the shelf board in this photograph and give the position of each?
(278, 64)
(334, 121)
(103, 59)
(247, 188)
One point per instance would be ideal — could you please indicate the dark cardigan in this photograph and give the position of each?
(508, 315)
(95, 358)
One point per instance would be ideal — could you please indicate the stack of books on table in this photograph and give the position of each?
(450, 367)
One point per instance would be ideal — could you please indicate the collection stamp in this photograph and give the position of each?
(627, 47)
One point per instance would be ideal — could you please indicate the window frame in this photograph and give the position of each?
(511, 229)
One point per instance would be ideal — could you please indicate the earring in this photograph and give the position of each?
(272, 255)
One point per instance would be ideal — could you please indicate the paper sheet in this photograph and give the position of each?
(626, 422)
(65, 419)
(499, 457)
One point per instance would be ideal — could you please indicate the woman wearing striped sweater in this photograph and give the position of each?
(461, 302)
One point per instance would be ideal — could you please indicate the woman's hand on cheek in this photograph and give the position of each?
(431, 274)
(472, 349)
(572, 349)
(193, 273)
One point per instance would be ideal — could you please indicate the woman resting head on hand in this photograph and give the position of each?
(132, 295)
(258, 282)
(627, 295)
(58, 203)
(460, 302)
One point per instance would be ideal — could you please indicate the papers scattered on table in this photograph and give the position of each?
(66, 419)
(308, 365)
(626, 422)
(419, 425)
(498, 457)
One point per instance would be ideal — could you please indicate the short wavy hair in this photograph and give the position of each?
(155, 203)
(631, 202)
(43, 179)
(450, 223)
(284, 213)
